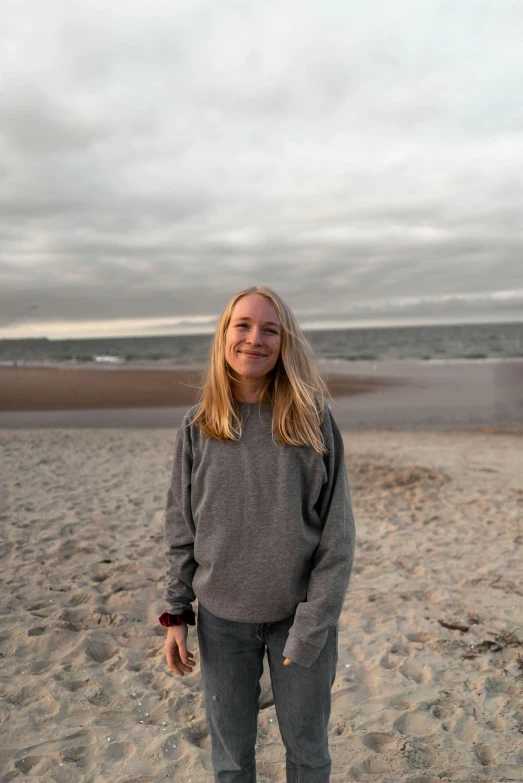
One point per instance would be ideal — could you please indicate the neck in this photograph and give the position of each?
(246, 392)
(247, 398)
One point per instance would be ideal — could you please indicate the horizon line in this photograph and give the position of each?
(311, 326)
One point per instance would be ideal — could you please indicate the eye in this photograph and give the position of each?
(268, 328)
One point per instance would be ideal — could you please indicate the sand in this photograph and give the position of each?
(398, 395)
(67, 388)
(86, 693)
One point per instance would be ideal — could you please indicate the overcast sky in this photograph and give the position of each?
(364, 159)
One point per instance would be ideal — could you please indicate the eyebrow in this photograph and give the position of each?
(241, 318)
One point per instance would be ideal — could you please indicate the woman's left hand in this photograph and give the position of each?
(287, 661)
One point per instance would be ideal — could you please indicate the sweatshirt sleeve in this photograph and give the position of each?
(180, 529)
(332, 560)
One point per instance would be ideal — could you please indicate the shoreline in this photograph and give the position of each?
(387, 395)
(59, 389)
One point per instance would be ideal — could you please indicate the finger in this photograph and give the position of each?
(176, 665)
(173, 658)
(185, 666)
(173, 663)
(189, 659)
(178, 660)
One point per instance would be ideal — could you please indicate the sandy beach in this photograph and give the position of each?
(429, 682)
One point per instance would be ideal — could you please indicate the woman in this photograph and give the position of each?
(259, 528)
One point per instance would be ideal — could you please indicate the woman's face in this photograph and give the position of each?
(254, 328)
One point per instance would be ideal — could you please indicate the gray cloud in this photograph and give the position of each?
(156, 158)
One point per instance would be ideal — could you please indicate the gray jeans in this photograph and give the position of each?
(231, 665)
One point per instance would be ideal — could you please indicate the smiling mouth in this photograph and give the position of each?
(254, 355)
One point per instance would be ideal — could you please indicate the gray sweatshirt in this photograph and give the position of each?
(258, 531)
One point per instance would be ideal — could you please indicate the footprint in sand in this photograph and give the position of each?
(419, 754)
(71, 685)
(497, 686)
(80, 597)
(120, 751)
(496, 723)
(97, 696)
(394, 656)
(372, 766)
(101, 617)
(99, 651)
(465, 726)
(117, 718)
(421, 636)
(27, 693)
(379, 741)
(198, 735)
(485, 754)
(28, 764)
(416, 724)
(38, 631)
(76, 616)
(40, 666)
(390, 661)
(77, 755)
(41, 606)
(439, 711)
(399, 702)
(415, 672)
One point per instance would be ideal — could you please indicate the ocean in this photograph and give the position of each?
(445, 343)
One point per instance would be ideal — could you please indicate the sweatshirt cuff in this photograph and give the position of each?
(300, 652)
(187, 615)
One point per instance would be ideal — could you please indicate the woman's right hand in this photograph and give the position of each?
(179, 659)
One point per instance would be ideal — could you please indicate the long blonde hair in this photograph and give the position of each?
(294, 386)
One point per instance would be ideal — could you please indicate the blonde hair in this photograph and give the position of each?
(294, 386)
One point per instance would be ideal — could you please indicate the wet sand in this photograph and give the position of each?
(96, 397)
(389, 395)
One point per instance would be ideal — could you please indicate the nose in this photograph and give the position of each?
(255, 337)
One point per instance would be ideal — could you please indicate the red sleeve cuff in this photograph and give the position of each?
(167, 620)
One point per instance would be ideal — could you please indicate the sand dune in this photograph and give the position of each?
(87, 696)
